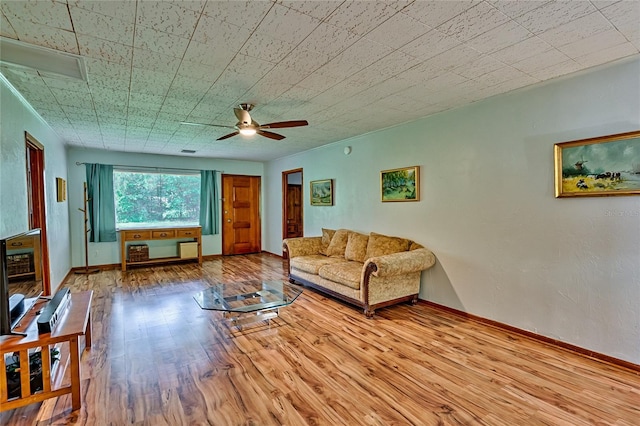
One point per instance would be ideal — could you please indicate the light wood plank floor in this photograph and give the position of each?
(158, 359)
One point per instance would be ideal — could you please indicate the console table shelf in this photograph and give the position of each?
(194, 233)
(76, 323)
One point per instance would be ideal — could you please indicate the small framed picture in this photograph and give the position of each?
(400, 184)
(322, 192)
(602, 166)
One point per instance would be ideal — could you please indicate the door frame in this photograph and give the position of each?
(34, 157)
(285, 194)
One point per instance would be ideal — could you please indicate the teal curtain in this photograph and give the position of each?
(209, 210)
(102, 206)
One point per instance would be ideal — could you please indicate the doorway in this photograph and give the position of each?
(241, 228)
(292, 214)
(36, 201)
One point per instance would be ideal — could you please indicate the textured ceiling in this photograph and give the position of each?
(348, 67)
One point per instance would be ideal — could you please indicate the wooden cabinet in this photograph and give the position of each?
(30, 245)
(76, 323)
(139, 236)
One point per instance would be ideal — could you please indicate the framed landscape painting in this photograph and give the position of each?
(322, 192)
(603, 166)
(400, 184)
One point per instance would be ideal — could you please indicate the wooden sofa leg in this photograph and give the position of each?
(414, 299)
(369, 313)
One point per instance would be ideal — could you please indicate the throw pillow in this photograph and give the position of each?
(380, 245)
(356, 246)
(338, 243)
(327, 235)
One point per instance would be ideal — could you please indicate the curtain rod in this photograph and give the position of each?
(152, 168)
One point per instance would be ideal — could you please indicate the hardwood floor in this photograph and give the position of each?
(158, 359)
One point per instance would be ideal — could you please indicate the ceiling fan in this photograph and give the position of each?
(247, 126)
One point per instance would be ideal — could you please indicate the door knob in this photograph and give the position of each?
(229, 220)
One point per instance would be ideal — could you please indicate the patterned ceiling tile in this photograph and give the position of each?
(499, 38)
(554, 14)
(151, 82)
(42, 35)
(478, 67)
(398, 30)
(362, 17)
(607, 55)
(340, 38)
(576, 30)
(167, 17)
(154, 61)
(625, 15)
(541, 61)
(594, 43)
(47, 13)
(215, 55)
(213, 32)
(6, 29)
(317, 9)
(522, 50)
(429, 45)
(244, 14)
(102, 26)
(160, 42)
(473, 22)
(267, 48)
(106, 50)
(514, 9)
(124, 11)
(556, 70)
(437, 13)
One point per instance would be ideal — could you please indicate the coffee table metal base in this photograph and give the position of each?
(240, 320)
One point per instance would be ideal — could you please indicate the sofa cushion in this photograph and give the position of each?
(338, 243)
(380, 245)
(327, 235)
(312, 263)
(345, 273)
(356, 247)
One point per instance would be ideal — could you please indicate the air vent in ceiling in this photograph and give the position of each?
(47, 61)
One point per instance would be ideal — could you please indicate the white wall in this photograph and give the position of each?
(16, 117)
(109, 253)
(507, 249)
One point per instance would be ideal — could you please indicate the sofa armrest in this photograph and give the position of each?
(401, 263)
(302, 246)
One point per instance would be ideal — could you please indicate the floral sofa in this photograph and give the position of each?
(370, 271)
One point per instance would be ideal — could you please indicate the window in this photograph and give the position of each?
(156, 198)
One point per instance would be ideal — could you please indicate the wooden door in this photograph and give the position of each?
(37, 211)
(294, 211)
(241, 231)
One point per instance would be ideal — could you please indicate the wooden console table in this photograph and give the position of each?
(149, 234)
(76, 322)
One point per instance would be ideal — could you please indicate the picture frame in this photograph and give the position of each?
(596, 167)
(61, 190)
(401, 184)
(321, 192)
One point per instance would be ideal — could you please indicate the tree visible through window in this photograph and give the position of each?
(156, 199)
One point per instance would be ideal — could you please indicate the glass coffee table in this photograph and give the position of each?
(248, 302)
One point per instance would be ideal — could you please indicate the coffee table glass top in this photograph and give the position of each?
(248, 296)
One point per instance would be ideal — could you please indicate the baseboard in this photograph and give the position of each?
(557, 343)
(106, 267)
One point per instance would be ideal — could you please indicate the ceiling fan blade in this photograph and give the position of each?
(227, 136)
(270, 135)
(282, 124)
(188, 123)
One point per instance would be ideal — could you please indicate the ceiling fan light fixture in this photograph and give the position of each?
(248, 131)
